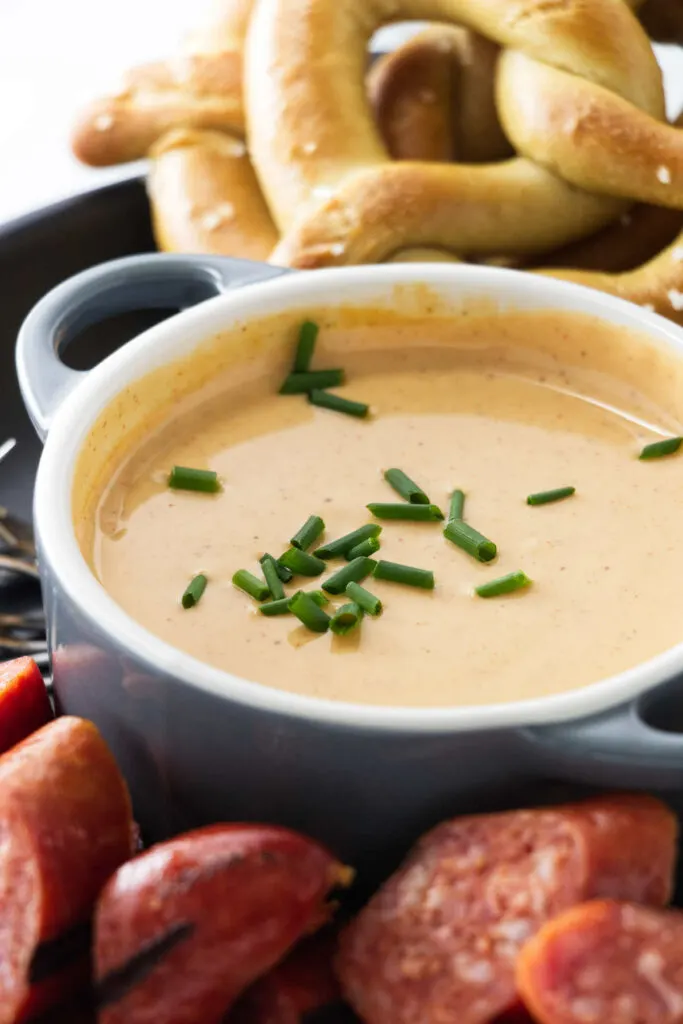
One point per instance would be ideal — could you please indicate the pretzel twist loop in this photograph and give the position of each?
(579, 93)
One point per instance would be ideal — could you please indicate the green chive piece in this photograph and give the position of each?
(364, 599)
(346, 618)
(457, 506)
(269, 566)
(251, 585)
(365, 548)
(338, 548)
(546, 497)
(302, 383)
(309, 612)
(279, 607)
(283, 572)
(338, 404)
(308, 534)
(474, 543)
(659, 448)
(308, 333)
(504, 585)
(354, 572)
(301, 563)
(194, 591)
(183, 478)
(406, 487)
(394, 572)
(416, 513)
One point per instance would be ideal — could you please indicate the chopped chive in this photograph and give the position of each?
(194, 591)
(338, 548)
(503, 585)
(394, 572)
(354, 572)
(269, 566)
(338, 404)
(406, 487)
(474, 543)
(279, 607)
(659, 448)
(283, 572)
(309, 612)
(302, 563)
(366, 547)
(364, 599)
(308, 534)
(457, 506)
(346, 618)
(398, 510)
(251, 585)
(546, 497)
(184, 478)
(302, 383)
(308, 333)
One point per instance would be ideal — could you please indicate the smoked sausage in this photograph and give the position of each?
(605, 962)
(182, 930)
(65, 826)
(293, 990)
(24, 703)
(439, 941)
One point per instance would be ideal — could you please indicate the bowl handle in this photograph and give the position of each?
(154, 281)
(618, 747)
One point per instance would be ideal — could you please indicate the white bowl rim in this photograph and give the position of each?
(54, 525)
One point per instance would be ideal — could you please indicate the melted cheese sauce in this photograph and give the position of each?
(607, 564)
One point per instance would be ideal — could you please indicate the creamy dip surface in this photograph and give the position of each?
(501, 407)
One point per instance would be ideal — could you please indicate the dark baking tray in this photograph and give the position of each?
(36, 253)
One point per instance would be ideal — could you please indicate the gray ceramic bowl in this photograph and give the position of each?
(198, 744)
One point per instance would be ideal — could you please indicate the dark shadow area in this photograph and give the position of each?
(97, 342)
(663, 709)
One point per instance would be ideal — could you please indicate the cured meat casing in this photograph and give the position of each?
(440, 939)
(65, 826)
(605, 962)
(183, 929)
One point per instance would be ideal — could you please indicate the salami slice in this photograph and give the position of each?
(65, 826)
(183, 929)
(605, 962)
(439, 941)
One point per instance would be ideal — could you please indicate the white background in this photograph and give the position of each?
(56, 54)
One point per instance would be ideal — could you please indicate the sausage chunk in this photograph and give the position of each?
(439, 941)
(65, 826)
(605, 962)
(183, 929)
(24, 703)
(295, 989)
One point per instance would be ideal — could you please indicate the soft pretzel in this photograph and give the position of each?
(200, 88)
(633, 239)
(223, 27)
(657, 284)
(204, 194)
(205, 198)
(434, 98)
(322, 164)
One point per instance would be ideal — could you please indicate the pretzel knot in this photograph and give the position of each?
(579, 95)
